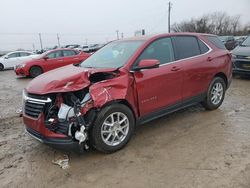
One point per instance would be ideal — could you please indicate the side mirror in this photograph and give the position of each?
(148, 64)
(46, 58)
(6, 57)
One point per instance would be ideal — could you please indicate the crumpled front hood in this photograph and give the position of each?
(242, 50)
(64, 79)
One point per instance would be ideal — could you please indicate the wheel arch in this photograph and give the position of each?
(121, 101)
(223, 76)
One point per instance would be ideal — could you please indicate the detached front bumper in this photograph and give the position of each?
(59, 143)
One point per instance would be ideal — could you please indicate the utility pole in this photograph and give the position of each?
(117, 34)
(41, 43)
(169, 19)
(122, 35)
(58, 40)
(86, 41)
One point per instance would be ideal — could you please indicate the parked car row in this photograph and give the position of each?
(50, 60)
(232, 41)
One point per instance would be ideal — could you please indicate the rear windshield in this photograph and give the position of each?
(216, 41)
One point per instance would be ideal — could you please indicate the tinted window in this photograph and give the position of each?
(216, 41)
(53, 55)
(160, 49)
(186, 46)
(14, 55)
(203, 47)
(68, 53)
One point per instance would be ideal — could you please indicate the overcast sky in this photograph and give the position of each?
(78, 21)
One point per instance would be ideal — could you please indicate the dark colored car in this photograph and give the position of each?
(241, 58)
(229, 42)
(126, 83)
(50, 60)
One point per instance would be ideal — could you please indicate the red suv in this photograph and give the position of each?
(124, 84)
(50, 60)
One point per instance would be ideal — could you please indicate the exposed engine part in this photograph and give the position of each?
(64, 116)
(101, 76)
(65, 112)
(81, 135)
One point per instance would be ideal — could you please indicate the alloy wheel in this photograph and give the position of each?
(115, 129)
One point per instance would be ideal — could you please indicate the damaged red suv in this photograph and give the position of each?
(126, 83)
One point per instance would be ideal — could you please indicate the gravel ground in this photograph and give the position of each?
(190, 148)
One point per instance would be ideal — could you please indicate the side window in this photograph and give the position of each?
(54, 55)
(203, 47)
(68, 53)
(22, 54)
(216, 41)
(160, 49)
(186, 46)
(13, 55)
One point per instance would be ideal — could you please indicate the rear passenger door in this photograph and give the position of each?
(192, 52)
(158, 88)
(70, 57)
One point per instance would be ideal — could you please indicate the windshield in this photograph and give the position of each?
(113, 55)
(246, 42)
(223, 38)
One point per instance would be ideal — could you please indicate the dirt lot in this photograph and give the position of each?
(191, 148)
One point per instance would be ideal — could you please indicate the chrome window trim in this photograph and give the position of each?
(169, 63)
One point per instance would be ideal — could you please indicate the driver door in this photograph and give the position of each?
(161, 87)
(55, 60)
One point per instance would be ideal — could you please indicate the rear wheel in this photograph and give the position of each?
(35, 71)
(1, 67)
(113, 128)
(215, 94)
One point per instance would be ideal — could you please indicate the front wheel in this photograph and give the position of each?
(35, 71)
(113, 128)
(215, 94)
(1, 67)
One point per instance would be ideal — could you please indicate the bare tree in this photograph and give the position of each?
(218, 23)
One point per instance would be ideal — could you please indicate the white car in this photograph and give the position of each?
(12, 59)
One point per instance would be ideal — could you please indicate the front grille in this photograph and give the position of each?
(245, 65)
(241, 57)
(36, 104)
(33, 109)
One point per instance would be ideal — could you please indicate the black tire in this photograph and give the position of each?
(1, 67)
(35, 71)
(208, 103)
(96, 135)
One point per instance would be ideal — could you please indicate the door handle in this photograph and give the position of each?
(209, 59)
(60, 60)
(175, 68)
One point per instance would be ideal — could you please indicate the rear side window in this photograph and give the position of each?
(186, 46)
(68, 53)
(22, 54)
(13, 55)
(160, 49)
(203, 47)
(55, 54)
(216, 41)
